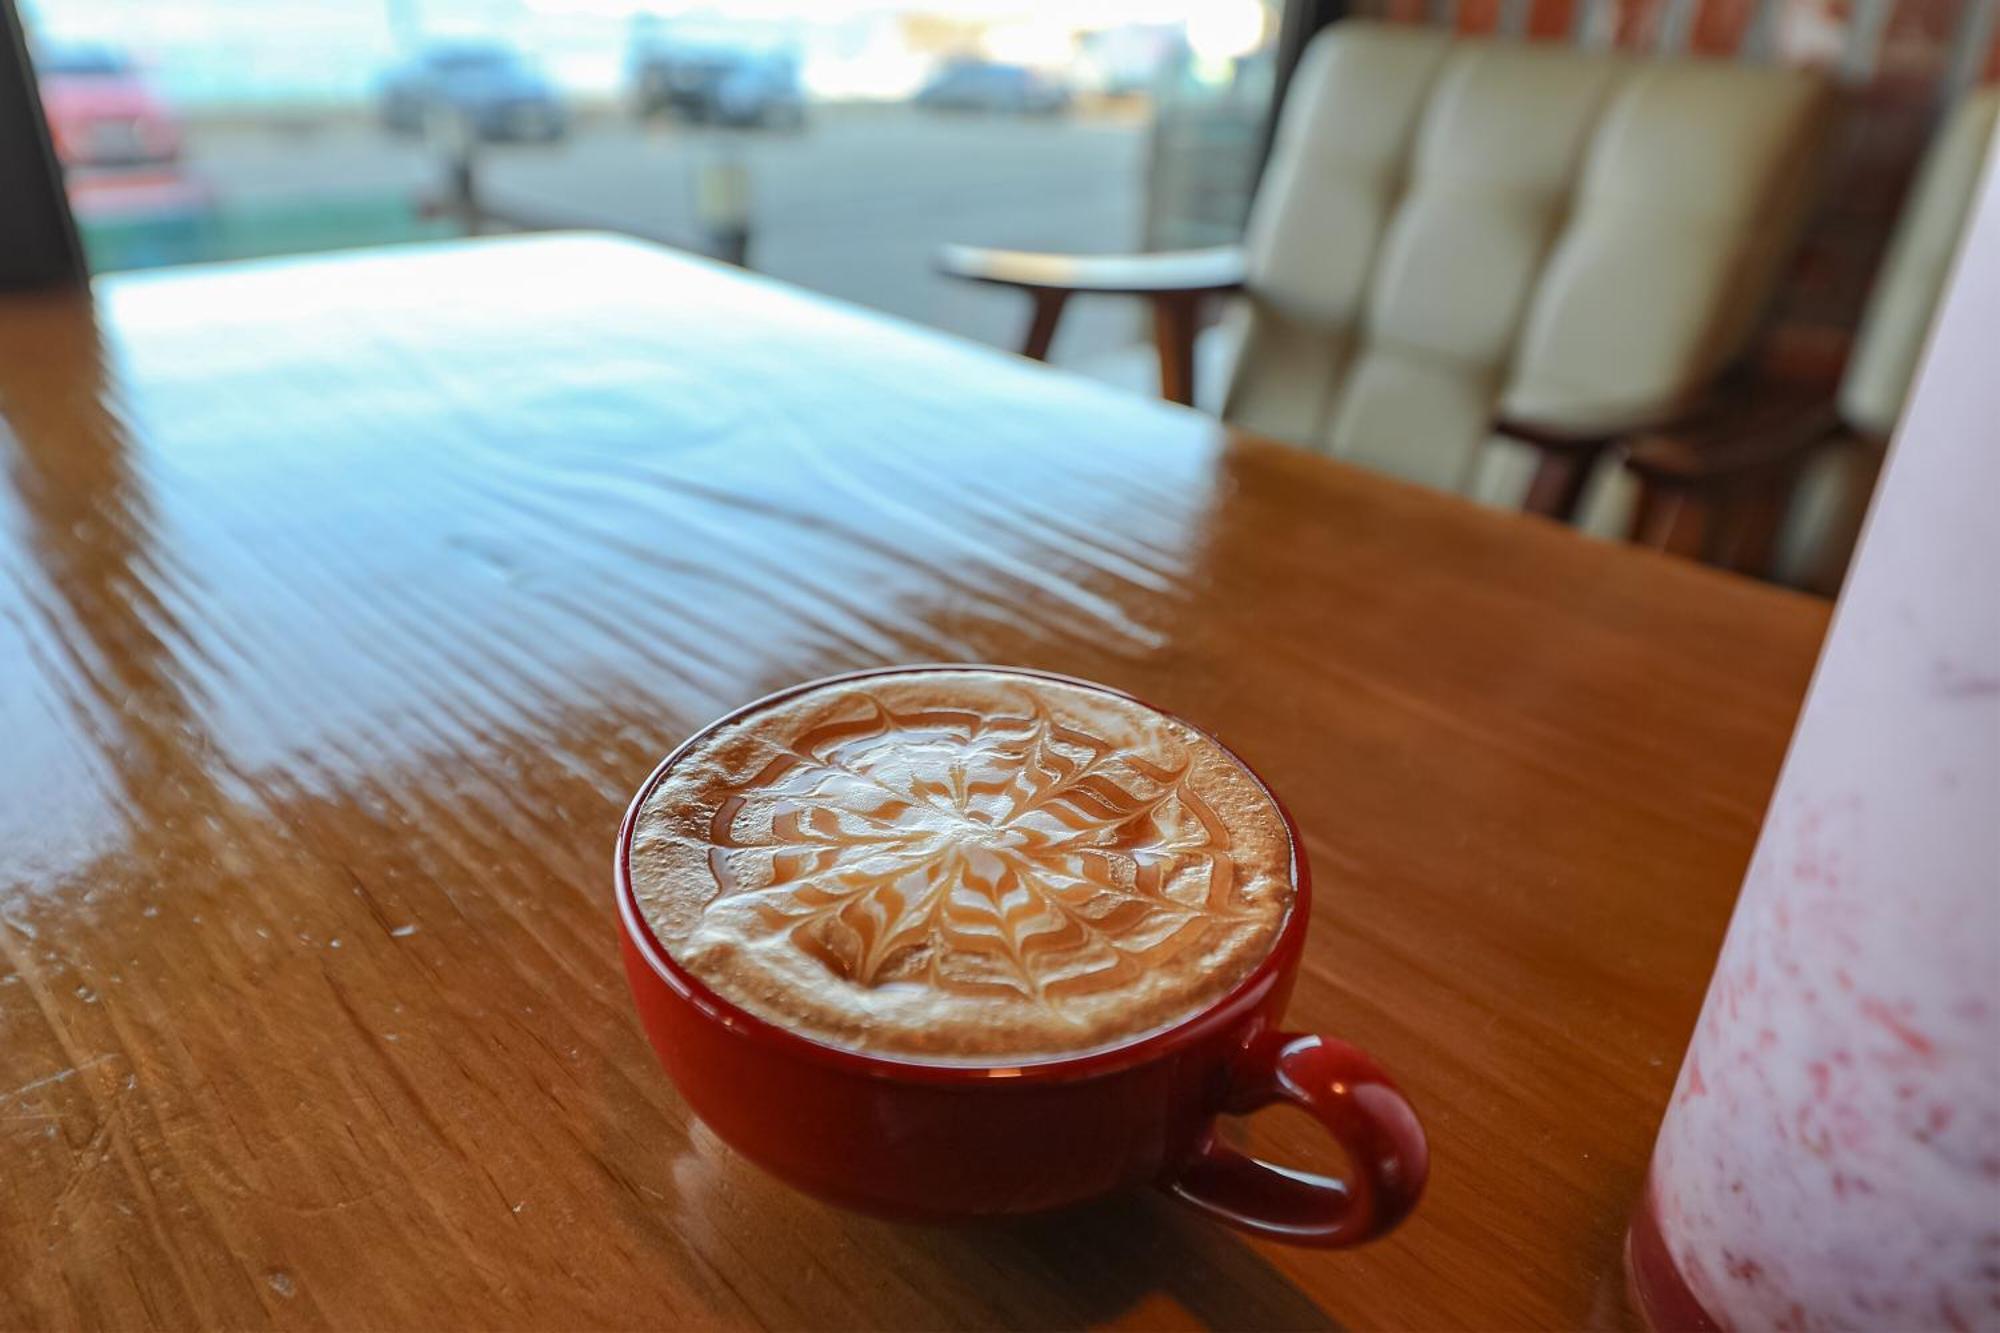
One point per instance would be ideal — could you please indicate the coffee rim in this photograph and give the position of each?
(1112, 1057)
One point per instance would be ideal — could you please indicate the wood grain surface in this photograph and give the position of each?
(344, 602)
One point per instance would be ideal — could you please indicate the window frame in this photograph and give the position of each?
(39, 246)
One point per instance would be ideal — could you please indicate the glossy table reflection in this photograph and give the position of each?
(344, 602)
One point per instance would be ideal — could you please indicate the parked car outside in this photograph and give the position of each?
(488, 87)
(719, 84)
(986, 85)
(101, 111)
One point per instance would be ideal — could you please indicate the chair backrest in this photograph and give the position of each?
(1824, 520)
(1913, 272)
(1450, 228)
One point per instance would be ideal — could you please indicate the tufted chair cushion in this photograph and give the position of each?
(1450, 229)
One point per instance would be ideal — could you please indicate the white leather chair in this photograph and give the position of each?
(1778, 487)
(1456, 234)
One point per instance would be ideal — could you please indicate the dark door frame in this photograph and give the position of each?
(1301, 19)
(38, 240)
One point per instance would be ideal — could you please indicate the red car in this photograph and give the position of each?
(101, 113)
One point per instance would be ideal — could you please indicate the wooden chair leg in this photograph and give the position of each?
(1652, 516)
(1689, 527)
(1757, 533)
(1173, 334)
(1042, 328)
(1557, 487)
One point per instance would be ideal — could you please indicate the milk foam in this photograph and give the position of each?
(963, 865)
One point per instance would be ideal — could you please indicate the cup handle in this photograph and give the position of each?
(1349, 1094)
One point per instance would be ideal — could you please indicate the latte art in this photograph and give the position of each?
(976, 854)
(962, 864)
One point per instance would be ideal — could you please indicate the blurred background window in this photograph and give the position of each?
(838, 143)
(833, 143)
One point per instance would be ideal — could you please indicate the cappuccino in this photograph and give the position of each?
(964, 866)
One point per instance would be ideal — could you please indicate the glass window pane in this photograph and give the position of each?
(834, 143)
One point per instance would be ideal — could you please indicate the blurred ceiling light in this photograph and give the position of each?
(1223, 30)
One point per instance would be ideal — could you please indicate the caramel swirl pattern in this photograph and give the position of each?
(975, 854)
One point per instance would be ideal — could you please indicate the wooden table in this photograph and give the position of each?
(344, 602)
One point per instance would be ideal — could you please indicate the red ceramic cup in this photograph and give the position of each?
(939, 1142)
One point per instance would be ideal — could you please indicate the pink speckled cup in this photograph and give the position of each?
(1831, 1156)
